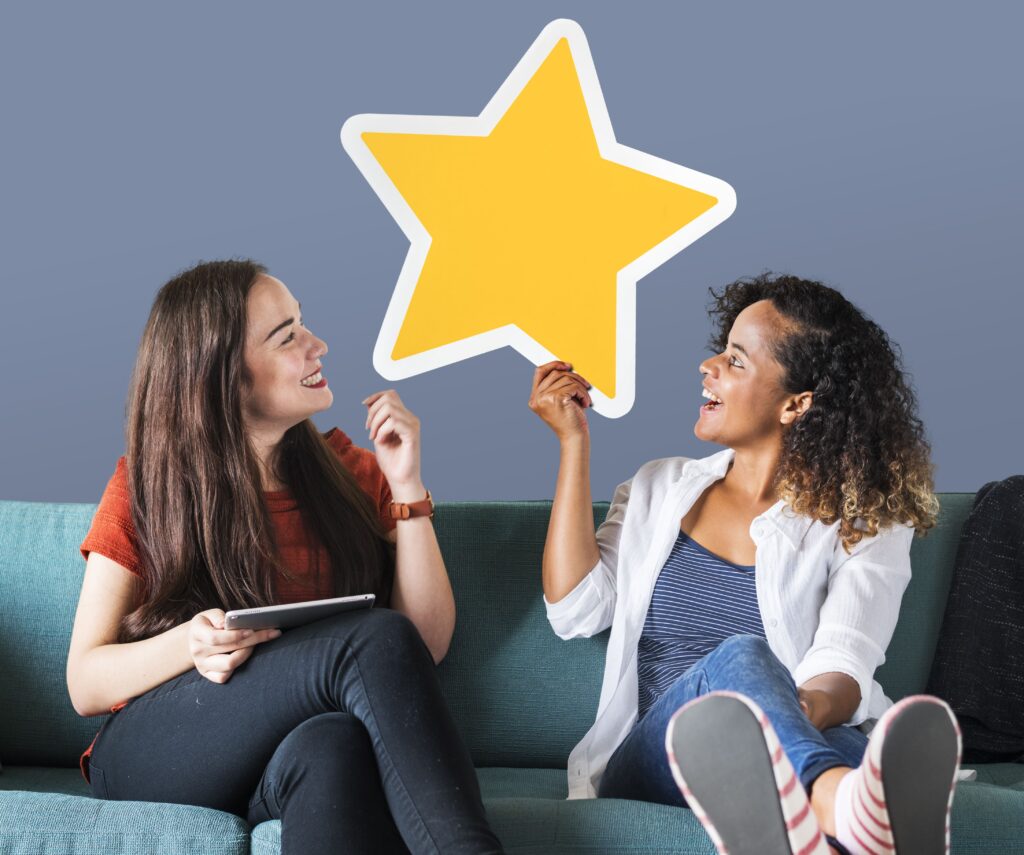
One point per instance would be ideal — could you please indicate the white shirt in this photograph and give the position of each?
(823, 610)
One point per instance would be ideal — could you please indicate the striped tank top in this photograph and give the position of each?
(699, 601)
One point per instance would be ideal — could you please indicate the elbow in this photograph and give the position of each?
(81, 704)
(441, 642)
(439, 648)
(80, 701)
(438, 652)
(441, 645)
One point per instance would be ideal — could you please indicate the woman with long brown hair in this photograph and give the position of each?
(228, 497)
(752, 594)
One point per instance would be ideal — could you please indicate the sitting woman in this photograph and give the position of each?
(229, 497)
(771, 571)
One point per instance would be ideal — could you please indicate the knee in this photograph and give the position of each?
(391, 630)
(747, 649)
(320, 752)
(326, 731)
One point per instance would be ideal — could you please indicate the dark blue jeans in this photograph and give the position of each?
(337, 728)
(744, 663)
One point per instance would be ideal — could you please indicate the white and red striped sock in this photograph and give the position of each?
(862, 821)
(861, 815)
(802, 829)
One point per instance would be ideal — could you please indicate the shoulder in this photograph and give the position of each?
(338, 440)
(666, 472)
(348, 452)
(891, 545)
(651, 481)
(115, 496)
(361, 462)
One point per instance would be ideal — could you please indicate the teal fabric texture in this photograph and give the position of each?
(521, 697)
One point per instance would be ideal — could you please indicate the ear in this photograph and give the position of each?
(796, 407)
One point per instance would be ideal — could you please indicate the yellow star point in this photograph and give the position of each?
(530, 224)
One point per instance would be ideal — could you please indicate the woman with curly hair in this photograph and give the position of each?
(230, 498)
(752, 594)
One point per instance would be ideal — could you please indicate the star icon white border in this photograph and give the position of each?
(511, 335)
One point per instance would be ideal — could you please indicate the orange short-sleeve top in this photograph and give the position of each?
(112, 533)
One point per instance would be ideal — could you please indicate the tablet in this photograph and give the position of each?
(294, 614)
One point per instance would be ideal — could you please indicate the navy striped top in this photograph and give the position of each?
(699, 601)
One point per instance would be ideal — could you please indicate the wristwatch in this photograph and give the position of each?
(405, 510)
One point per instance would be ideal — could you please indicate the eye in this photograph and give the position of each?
(291, 335)
(734, 361)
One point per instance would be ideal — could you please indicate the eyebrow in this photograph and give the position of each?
(281, 326)
(741, 349)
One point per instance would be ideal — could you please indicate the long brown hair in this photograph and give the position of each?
(859, 453)
(205, 537)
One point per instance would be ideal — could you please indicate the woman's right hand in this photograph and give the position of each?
(216, 651)
(559, 397)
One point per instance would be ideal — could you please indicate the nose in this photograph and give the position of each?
(709, 366)
(318, 346)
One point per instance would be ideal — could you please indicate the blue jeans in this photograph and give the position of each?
(744, 663)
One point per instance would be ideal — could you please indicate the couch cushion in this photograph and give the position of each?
(521, 695)
(528, 812)
(39, 817)
(909, 657)
(526, 807)
(40, 578)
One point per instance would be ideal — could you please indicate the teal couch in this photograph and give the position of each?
(521, 696)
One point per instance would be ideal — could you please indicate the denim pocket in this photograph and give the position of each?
(97, 781)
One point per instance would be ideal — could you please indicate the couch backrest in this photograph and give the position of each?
(521, 696)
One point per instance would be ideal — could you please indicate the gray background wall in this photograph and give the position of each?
(876, 146)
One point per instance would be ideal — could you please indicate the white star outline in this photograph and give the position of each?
(511, 335)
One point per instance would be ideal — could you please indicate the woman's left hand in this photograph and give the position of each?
(396, 438)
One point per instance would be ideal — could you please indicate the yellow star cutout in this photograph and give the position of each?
(529, 224)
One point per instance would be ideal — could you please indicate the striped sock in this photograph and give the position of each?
(862, 821)
(805, 835)
(803, 832)
(863, 824)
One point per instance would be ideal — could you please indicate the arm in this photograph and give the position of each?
(856, 622)
(421, 588)
(102, 673)
(829, 700)
(422, 591)
(570, 549)
(579, 564)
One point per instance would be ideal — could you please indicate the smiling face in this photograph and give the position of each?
(280, 352)
(755, 409)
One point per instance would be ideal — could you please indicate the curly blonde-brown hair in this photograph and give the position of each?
(858, 454)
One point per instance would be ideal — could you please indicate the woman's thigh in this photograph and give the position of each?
(639, 767)
(192, 741)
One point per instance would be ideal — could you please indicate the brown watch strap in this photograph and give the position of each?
(405, 510)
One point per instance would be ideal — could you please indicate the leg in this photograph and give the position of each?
(370, 664)
(729, 764)
(899, 797)
(744, 664)
(326, 768)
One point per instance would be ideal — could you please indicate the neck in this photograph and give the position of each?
(752, 473)
(265, 444)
